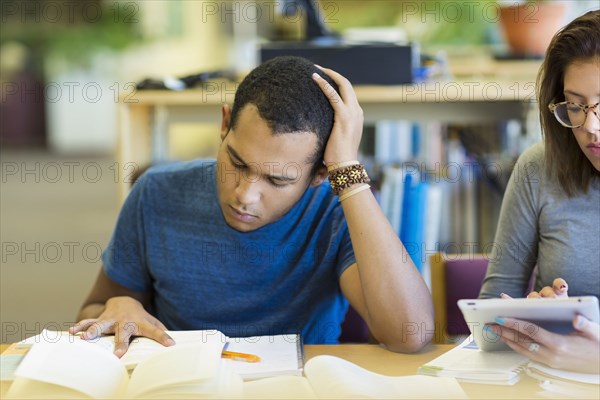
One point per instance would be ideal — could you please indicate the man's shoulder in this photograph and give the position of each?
(180, 172)
(320, 202)
(176, 167)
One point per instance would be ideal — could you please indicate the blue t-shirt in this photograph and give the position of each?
(171, 239)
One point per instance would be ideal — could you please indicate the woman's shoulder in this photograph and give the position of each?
(530, 168)
(533, 155)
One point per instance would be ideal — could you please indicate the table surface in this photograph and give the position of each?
(376, 359)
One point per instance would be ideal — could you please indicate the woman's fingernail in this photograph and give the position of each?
(580, 323)
(500, 321)
(489, 331)
(315, 75)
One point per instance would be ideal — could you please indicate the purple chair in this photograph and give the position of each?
(354, 328)
(455, 277)
(463, 281)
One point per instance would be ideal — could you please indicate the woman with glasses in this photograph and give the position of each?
(550, 215)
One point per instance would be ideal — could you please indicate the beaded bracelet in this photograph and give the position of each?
(353, 192)
(345, 177)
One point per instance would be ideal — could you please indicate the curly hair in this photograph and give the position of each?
(287, 98)
(578, 41)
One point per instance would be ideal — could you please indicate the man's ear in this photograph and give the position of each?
(225, 120)
(320, 176)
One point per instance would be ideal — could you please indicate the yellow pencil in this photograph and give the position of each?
(232, 355)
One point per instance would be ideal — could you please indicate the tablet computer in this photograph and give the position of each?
(555, 315)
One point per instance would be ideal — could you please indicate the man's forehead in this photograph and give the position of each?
(253, 141)
(269, 154)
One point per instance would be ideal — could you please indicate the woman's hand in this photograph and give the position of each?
(577, 351)
(559, 289)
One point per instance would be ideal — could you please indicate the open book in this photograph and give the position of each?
(80, 369)
(279, 354)
(328, 377)
(566, 384)
(467, 363)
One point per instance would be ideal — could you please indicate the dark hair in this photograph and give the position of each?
(578, 41)
(288, 99)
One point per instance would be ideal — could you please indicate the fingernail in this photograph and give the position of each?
(580, 323)
(315, 75)
(489, 330)
(169, 342)
(500, 321)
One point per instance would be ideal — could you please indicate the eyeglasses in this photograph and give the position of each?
(572, 115)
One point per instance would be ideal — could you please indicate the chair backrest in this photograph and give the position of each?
(454, 277)
(354, 328)
(463, 281)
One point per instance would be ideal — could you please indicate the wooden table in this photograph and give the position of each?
(377, 359)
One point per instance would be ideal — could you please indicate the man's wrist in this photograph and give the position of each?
(352, 190)
(342, 178)
(333, 166)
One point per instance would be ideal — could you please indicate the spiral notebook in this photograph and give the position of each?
(467, 363)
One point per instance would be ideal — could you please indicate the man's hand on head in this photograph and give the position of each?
(348, 120)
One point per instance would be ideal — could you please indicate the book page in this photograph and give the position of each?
(279, 387)
(176, 365)
(335, 378)
(141, 348)
(279, 355)
(593, 379)
(77, 365)
(24, 388)
(225, 384)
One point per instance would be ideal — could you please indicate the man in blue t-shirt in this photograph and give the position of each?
(258, 242)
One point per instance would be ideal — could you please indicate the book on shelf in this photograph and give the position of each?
(467, 363)
(413, 217)
(191, 367)
(328, 377)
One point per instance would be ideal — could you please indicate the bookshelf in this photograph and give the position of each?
(482, 90)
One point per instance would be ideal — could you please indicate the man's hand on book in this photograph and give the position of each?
(124, 317)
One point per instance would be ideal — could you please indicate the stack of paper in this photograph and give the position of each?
(467, 363)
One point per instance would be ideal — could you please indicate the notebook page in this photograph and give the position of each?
(279, 355)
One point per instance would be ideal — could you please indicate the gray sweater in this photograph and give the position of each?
(540, 225)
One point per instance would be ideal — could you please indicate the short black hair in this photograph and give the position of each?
(288, 99)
